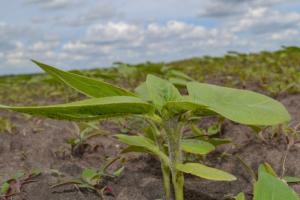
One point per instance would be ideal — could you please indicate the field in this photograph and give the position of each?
(29, 144)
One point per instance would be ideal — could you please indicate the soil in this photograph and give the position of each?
(39, 143)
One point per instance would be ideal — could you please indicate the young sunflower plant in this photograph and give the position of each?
(167, 112)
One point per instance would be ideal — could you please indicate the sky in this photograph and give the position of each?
(81, 34)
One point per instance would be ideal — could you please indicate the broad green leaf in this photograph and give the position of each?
(197, 146)
(205, 172)
(269, 187)
(240, 196)
(241, 106)
(89, 109)
(292, 179)
(143, 143)
(161, 91)
(88, 86)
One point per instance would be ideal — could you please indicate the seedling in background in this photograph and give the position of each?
(94, 180)
(14, 185)
(167, 112)
(291, 134)
(6, 125)
(84, 131)
(269, 186)
(176, 77)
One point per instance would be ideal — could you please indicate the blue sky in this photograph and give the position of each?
(74, 34)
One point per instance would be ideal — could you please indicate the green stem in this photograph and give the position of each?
(166, 181)
(164, 167)
(173, 129)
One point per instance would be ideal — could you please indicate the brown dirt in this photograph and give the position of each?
(41, 144)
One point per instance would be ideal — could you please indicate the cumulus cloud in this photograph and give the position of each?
(262, 20)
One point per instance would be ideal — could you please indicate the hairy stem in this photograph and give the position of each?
(173, 129)
(164, 168)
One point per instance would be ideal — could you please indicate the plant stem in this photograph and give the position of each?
(173, 129)
(285, 154)
(166, 181)
(164, 168)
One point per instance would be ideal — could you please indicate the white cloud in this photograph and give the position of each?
(111, 32)
(231, 8)
(44, 46)
(285, 35)
(53, 4)
(262, 20)
(75, 46)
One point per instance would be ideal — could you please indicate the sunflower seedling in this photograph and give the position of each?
(6, 125)
(13, 186)
(269, 186)
(167, 112)
(94, 180)
(84, 131)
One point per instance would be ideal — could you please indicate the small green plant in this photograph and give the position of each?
(6, 125)
(269, 186)
(13, 186)
(84, 131)
(93, 180)
(167, 112)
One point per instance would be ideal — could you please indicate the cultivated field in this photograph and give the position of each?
(37, 152)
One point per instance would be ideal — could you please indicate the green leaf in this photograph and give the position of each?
(205, 172)
(219, 141)
(186, 103)
(178, 82)
(90, 108)
(292, 179)
(89, 175)
(88, 86)
(143, 143)
(269, 187)
(130, 149)
(161, 91)
(197, 146)
(267, 168)
(119, 171)
(241, 106)
(214, 129)
(240, 196)
(179, 74)
(142, 92)
(4, 188)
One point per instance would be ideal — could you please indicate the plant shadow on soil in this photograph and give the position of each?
(41, 144)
